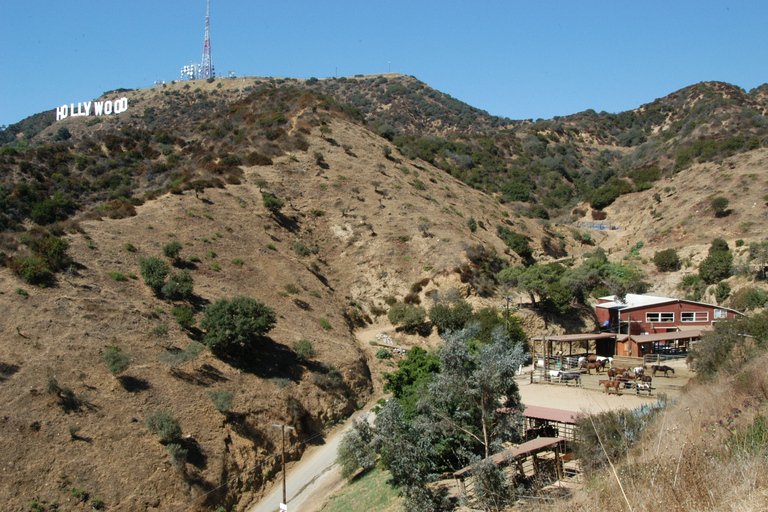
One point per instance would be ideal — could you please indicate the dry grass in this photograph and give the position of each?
(698, 455)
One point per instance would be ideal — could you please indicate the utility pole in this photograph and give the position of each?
(285, 500)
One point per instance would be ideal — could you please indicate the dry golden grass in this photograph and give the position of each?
(696, 456)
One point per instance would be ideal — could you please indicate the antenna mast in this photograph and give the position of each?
(206, 66)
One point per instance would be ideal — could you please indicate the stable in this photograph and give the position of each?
(539, 458)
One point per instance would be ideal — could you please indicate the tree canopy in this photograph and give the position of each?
(236, 323)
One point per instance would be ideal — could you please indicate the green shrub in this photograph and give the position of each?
(450, 318)
(272, 202)
(160, 331)
(472, 224)
(195, 259)
(328, 378)
(178, 453)
(118, 276)
(383, 353)
(153, 270)
(237, 262)
(408, 316)
(304, 350)
(667, 260)
(325, 324)
(222, 400)
(164, 425)
(115, 359)
(31, 269)
(179, 287)
(240, 322)
(130, 247)
(184, 316)
(172, 250)
(271, 247)
(749, 298)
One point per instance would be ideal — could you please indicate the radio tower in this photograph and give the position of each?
(206, 66)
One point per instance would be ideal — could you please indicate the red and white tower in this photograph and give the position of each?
(206, 66)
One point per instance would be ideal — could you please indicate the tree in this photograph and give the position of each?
(272, 203)
(472, 224)
(491, 487)
(356, 450)
(720, 206)
(466, 397)
(236, 323)
(717, 265)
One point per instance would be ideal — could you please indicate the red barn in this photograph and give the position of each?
(656, 324)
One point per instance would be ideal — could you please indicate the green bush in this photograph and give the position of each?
(304, 350)
(383, 353)
(153, 270)
(236, 323)
(179, 287)
(450, 318)
(716, 267)
(408, 316)
(749, 298)
(172, 250)
(272, 202)
(115, 359)
(222, 400)
(118, 276)
(178, 453)
(667, 260)
(164, 425)
(184, 316)
(31, 269)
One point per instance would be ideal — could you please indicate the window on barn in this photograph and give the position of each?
(721, 313)
(663, 317)
(694, 316)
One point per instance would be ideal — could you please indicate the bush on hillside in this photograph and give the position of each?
(667, 260)
(153, 270)
(164, 425)
(237, 323)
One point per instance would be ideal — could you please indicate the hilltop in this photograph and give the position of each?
(380, 177)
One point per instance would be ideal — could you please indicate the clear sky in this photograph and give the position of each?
(532, 59)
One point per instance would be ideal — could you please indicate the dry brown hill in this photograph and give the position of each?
(362, 222)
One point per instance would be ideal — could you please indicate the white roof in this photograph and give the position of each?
(632, 300)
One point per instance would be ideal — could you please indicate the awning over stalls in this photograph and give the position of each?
(662, 336)
(528, 448)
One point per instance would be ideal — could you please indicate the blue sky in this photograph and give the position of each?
(533, 59)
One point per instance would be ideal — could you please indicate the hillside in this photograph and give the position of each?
(380, 177)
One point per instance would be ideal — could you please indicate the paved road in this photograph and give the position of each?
(309, 474)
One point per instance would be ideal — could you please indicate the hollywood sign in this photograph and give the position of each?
(99, 108)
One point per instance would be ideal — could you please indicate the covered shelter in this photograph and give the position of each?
(558, 422)
(545, 344)
(526, 460)
(640, 345)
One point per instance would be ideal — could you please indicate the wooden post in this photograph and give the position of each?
(283, 427)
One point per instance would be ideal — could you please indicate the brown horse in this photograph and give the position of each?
(592, 366)
(662, 368)
(608, 384)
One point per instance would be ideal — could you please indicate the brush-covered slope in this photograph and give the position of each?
(355, 228)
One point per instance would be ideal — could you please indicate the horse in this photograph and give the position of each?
(608, 384)
(592, 366)
(612, 374)
(638, 370)
(605, 360)
(642, 386)
(566, 376)
(662, 368)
